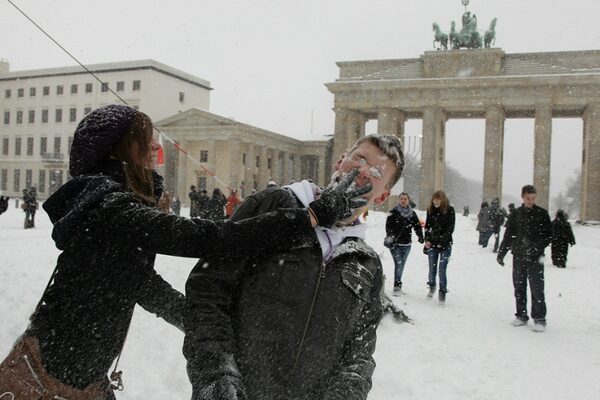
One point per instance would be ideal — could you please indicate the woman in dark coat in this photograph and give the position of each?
(482, 223)
(562, 237)
(438, 241)
(109, 231)
(216, 204)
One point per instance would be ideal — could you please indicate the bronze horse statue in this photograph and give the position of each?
(468, 38)
(440, 37)
(489, 37)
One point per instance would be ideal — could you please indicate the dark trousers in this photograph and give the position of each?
(529, 269)
(559, 254)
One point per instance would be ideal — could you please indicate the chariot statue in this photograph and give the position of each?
(468, 36)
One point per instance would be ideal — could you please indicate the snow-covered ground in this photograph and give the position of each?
(464, 350)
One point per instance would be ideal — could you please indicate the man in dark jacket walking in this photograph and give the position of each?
(194, 197)
(496, 217)
(562, 237)
(527, 234)
(297, 324)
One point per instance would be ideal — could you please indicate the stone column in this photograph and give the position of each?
(263, 168)
(590, 171)
(297, 168)
(355, 129)
(285, 166)
(541, 154)
(494, 150)
(249, 169)
(433, 154)
(183, 185)
(275, 166)
(235, 159)
(322, 175)
(391, 121)
(211, 165)
(340, 139)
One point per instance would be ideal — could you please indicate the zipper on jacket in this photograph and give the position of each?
(309, 316)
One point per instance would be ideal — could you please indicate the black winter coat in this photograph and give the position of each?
(109, 239)
(398, 228)
(250, 325)
(528, 232)
(440, 227)
(562, 233)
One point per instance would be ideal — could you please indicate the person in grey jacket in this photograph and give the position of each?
(298, 324)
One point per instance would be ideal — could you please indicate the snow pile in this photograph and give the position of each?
(466, 349)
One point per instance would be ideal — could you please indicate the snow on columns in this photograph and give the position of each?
(249, 169)
(263, 168)
(541, 154)
(433, 154)
(285, 166)
(391, 121)
(494, 150)
(590, 171)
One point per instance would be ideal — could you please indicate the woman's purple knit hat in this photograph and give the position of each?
(98, 135)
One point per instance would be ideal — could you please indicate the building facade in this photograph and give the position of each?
(41, 108)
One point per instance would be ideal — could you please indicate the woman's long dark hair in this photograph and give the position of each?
(444, 203)
(135, 152)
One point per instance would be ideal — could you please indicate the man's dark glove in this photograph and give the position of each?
(500, 260)
(225, 388)
(337, 202)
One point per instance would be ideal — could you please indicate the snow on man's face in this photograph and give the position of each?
(528, 199)
(374, 168)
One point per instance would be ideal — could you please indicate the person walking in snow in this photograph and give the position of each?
(233, 201)
(495, 218)
(109, 230)
(3, 204)
(439, 227)
(482, 223)
(215, 206)
(194, 208)
(399, 225)
(527, 234)
(562, 237)
(296, 324)
(29, 207)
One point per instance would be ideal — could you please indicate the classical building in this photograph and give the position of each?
(484, 83)
(222, 153)
(41, 108)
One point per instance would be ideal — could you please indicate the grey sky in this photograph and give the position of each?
(268, 60)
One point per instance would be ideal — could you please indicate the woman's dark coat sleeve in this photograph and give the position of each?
(157, 296)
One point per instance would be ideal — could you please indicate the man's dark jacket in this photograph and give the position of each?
(399, 229)
(528, 232)
(439, 227)
(286, 324)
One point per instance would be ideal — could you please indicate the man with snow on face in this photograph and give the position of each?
(296, 324)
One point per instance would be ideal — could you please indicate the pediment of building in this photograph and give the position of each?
(195, 118)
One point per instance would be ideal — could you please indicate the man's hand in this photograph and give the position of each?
(336, 203)
(225, 388)
(500, 260)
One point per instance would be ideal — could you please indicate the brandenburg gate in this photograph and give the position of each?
(477, 83)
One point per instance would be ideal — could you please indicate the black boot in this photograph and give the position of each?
(431, 291)
(442, 296)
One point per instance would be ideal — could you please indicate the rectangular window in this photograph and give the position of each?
(104, 87)
(42, 181)
(7, 93)
(137, 85)
(45, 115)
(29, 146)
(19, 117)
(3, 179)
(43, 145)
(32, 92)
(87, 110)
(17, 180)
(31, 116)
(74, 88)
(201, 183)
(6, 117)
(70, 143)
(46, 90)
(57, 144)
(243, 158)
(60, 89)
(17, 146)
(269, 164)
(120, 86)
(4, 146)
(88, 88)
(203, 155)
(28, 178)
(58, 115)
(20, 92)
(72, 114)
(181, 97)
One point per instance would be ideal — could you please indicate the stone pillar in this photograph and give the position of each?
(275, 166)
(297, 168)
(494, 151)
(285, 166)
(355, 128)
(235, 159)
(433, 154)
(249, 169)
(391, 121)
(263, 168)
(322, 175)
(541, 154)
(211, 165)
(182, 185)
(590, 171)
(340, 139)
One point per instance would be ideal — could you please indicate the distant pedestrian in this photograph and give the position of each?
(193, 195)
(439, 227)
(233, 201)
(176, 205)
(562, 237)
(399, 225)
(527, 234)
(496, 216)
(465, 211)
(3, 204)
(482, 223)
(216, 204)
(202, 205)
(29, 207)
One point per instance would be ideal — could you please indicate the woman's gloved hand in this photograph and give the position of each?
(337, 202)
